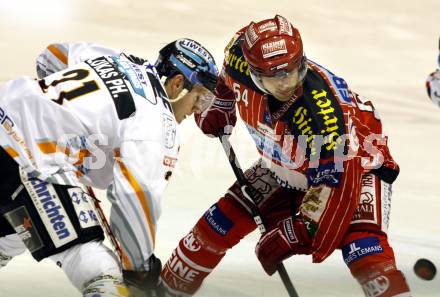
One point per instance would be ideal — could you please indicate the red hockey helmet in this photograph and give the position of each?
(273, 47)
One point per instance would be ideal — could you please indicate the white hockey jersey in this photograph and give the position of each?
(433, 87)
(105, 122)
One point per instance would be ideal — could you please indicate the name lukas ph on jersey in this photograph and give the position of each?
(112, 78)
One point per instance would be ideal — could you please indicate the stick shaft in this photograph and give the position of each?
(241, 178)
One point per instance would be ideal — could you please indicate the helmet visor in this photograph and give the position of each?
(282, 84)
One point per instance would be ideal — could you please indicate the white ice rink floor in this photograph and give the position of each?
(384, 49)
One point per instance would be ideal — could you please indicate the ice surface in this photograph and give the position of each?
(384, 49)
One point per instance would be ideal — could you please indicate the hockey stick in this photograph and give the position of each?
(252, 195)
(105, 224)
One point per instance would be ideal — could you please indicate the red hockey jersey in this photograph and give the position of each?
(321, 143)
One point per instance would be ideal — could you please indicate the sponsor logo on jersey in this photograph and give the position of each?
(266, 118)
(180, 268)
(338, 83)
(169, 161)
(237, 68)
(133, 74)
(377, 286)
(341, 87)
(51, 211)
(315, 202)
(266, 130)
(326, 111)
(274, 48)
(115, 83)
(318, 116)
(326, 173)
(366, 209)
(191, 243)
(218, 221)
(385, 198)
(238, 63)
(270, 148)
(8, 125)
(169, 131)
(83, 208)
(361, 248)
(5, 120)
(23, 225)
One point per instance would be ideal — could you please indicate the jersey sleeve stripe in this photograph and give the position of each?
(48, 147)
(57, 53)
(125, 261)
(11, 152)
(51, 147)
(140, 194)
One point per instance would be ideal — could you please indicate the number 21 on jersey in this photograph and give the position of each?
(82, 85)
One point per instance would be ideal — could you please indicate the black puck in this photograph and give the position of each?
(425, 269)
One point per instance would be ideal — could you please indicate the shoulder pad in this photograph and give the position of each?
(338, 84)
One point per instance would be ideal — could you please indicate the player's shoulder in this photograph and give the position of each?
(235, 65)
(320, 77)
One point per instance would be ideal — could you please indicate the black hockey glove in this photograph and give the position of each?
(136, 60)
(144, 283)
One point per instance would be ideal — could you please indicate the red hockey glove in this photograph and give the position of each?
(220, 118)
(289, 237)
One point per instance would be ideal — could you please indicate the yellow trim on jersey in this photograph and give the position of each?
(57, 53)
(126, 262)
(139, 193)
(49, 147)
(11, 152)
